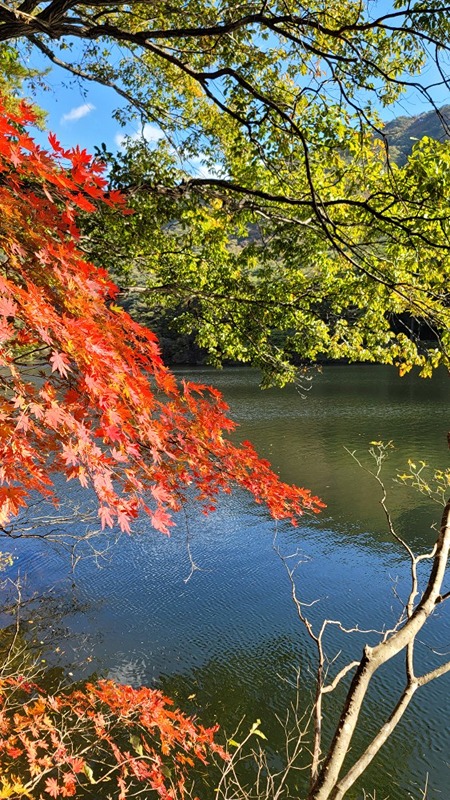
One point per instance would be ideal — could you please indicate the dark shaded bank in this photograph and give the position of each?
(181, 350)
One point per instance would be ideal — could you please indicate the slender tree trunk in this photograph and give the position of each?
(327, 786)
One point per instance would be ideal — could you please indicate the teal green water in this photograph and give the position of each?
(228, 632)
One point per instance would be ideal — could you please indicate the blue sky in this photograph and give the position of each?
(83, 115)
(80, 115)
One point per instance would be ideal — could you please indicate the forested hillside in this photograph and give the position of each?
(403, 132)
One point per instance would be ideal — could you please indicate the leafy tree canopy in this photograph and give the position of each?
(336, 248)
(278, 99)
(264, 282)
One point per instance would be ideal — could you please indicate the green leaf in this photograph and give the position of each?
(136, 744)
(255, 730)
(89, 774)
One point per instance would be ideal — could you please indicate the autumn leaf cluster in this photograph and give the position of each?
(84, 391)
(105, 735)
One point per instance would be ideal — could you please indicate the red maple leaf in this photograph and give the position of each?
(7, 307)
(60, 362)
(52, 787)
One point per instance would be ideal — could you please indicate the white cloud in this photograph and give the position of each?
(77, 113)
(120, 139)
(151, 133)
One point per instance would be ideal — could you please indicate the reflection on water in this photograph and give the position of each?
(229, 635)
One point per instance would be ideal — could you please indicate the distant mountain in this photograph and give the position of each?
(402, 132)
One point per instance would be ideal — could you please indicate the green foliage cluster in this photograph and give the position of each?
(267, 285)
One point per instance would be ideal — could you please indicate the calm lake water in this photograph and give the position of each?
(226, 636)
